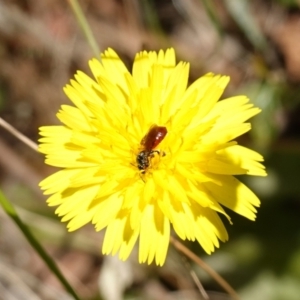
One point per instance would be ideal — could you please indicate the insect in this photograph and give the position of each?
(151, 140)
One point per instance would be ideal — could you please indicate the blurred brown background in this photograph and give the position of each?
(256, 42)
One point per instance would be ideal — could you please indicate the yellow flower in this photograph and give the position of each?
(183, 178)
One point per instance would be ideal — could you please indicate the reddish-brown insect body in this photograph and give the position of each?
(154, 136)
(151, 140)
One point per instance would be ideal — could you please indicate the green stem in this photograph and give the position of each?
(11, 212)
(85, 27)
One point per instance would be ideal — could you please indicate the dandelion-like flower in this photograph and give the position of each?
(143, 151)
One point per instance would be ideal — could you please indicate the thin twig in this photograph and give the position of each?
(195, 278)
(18, 134)
(222, 282)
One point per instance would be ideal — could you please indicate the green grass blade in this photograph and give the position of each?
(240, 10)
(83, 23)
(211, 12)
(11, 212)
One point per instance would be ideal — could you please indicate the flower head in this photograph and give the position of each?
(187, 175)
